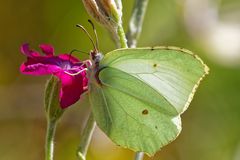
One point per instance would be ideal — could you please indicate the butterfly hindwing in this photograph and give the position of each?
(130, 119)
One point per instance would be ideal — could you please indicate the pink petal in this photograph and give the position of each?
(47, 49)
(68, 57)
(26, 51)
(39, 69)
(40, 66)
(72, 88)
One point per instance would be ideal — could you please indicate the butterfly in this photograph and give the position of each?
(138, 94)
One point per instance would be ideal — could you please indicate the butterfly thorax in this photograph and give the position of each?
(95, 57)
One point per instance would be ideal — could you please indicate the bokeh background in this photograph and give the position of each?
(210, 28)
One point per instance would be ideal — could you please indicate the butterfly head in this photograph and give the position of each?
(96, 56)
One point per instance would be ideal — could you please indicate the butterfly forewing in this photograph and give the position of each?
(174, 73)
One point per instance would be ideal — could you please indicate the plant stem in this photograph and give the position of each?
(136, 21)
(86, 138)
(49, 144)
(139, 156)
(122, 36)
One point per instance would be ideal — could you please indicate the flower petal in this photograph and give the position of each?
(72, 88)
(47, 49)
(39, 69)
(26, 51)
(40, 66)
(68, 57)
(70, 71)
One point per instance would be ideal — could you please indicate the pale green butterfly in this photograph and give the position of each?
(137, 95)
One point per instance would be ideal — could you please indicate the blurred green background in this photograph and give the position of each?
(210, 28)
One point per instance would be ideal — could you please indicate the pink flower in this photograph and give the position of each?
(70, 71)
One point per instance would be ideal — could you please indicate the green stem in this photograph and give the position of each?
(139, 156)
(86, 138)
(122, 36)
(49, 145)
(136, 22)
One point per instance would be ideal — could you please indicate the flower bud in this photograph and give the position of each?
(51, 99)
(106, 12)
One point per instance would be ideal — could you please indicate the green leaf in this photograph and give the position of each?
(142, 94)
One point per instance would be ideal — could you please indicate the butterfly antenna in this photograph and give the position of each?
(95, 33)
(75, 50)
(81, 27)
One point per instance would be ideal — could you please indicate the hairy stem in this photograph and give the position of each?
(86, 138)
(49, 144)
(122, 37)
(136, 21)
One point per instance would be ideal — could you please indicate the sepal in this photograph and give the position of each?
(51, 99)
